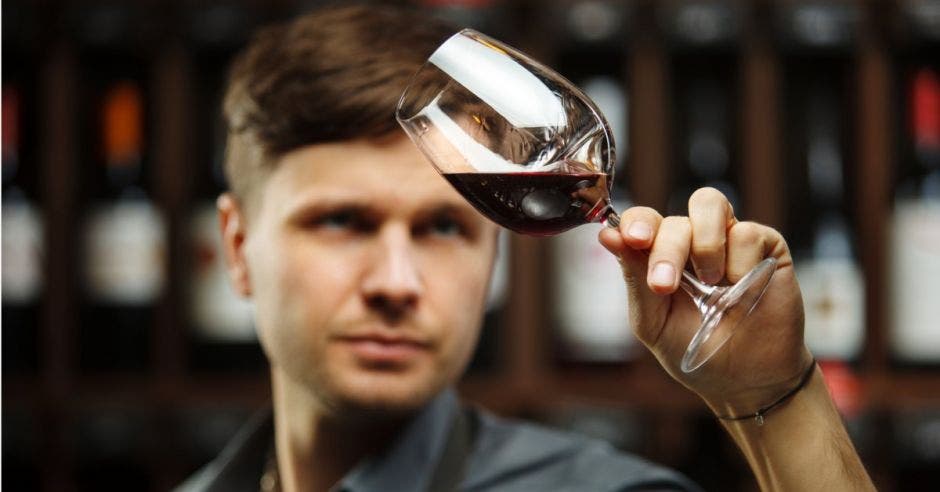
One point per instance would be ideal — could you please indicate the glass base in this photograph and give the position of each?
(721, 312)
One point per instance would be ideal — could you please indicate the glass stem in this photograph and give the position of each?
(697, 290)
(610, 218)
(700, 292)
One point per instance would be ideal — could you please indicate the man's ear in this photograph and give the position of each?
(233, 226)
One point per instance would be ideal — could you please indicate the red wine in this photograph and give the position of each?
(538, 204)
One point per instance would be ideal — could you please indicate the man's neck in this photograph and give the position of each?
(315, 448)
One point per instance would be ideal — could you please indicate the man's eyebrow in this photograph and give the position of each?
(460, 211)
(448, 208)
(304, 208)
(326, 197)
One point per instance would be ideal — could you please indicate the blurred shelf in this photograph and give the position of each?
(901, 391)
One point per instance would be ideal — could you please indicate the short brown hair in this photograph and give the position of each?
(331, 75)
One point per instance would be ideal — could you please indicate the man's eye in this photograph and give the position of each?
(446, 227)
(341, 219)
(346, 220)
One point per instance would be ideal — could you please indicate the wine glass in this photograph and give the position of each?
(534, 154)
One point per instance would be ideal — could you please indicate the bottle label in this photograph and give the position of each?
(216, 311)
(591, 298)
(125, 253)
(833, 301)
(22, 252)
(915, 280)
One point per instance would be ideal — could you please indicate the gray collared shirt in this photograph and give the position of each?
(506, 456)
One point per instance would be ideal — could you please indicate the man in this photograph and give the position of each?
(369, 272)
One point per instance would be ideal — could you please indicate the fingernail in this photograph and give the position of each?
(640, 230)
(663, 275)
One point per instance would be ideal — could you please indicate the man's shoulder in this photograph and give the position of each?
(239, 466)
(508, 455)
(201, 480)
(515, 455)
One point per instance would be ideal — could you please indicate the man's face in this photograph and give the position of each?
(368, 273)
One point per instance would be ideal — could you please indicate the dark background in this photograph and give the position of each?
(104, 397)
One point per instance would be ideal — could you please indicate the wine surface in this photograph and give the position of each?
(537, 204)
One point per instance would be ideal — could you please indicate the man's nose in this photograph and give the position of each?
(393, 283)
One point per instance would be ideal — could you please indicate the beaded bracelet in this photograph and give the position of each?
(759, 414)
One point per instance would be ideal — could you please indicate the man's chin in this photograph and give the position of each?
(376, 397)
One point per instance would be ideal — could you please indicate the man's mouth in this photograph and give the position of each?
(380, 348)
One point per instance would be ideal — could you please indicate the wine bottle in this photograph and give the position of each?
(818, 39)
(124, 239)
(221, 335)
(22, 244)
(915, 228)
(591, 325)
(595, 322)
(591, 314)
(831, 280)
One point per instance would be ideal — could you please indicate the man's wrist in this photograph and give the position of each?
(805, 432)
(758, 415)
(751, 401)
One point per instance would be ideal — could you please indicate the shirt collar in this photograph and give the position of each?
(411, 460)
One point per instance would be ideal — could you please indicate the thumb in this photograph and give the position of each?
(648, 310)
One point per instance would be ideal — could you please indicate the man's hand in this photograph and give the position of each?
(803, 445)
(766, 355)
